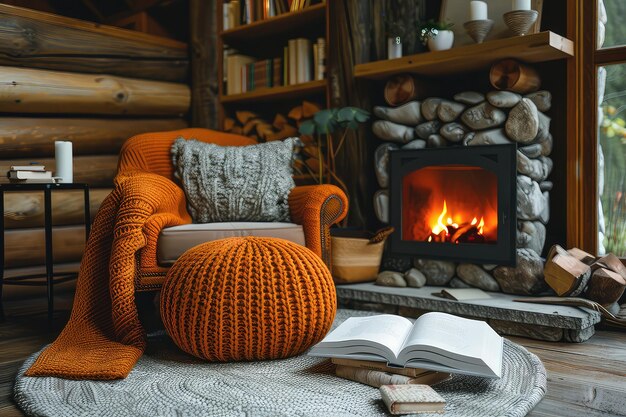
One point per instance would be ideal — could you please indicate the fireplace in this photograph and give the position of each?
(455, 203)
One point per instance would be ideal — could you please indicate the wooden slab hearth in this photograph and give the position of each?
(537, 321)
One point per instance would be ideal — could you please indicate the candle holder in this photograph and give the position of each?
(478, 29)
(520, 21)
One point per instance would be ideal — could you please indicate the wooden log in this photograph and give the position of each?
(26, 247)
(605, 286)
(401, 89)
(611, 262)
(582, 256)
(229, 123)
(26, 209)
(35, 137)
(97, 171)
(309, 109)
(279, 121)
(204, 72)
(243, 116)
(42, 91)
(42, 40)
(566, 275)
(512, 75)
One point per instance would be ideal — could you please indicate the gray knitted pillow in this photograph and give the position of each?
(235, 183)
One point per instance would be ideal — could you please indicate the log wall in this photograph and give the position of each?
(96, 86)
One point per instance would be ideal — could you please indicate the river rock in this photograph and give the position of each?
(381, 163)
(424, 130)
(414, 278)
(543, 129)
(523, 122)
(407, 114)
(398, 263)
(546, 185)
(544, 217)
(542, 99)
(381, 205)
(437, 272)
(454, 132)
(489, 137)
(537, 169)
(503, 99)
(430, 107)
(390, 279)
(415, 144)
(393, 132)
(469, 97)
(489, 267)
(524, 279)
(546, 145)
(530, 200)
(468, 138)
(475, 276)
(483, 116)
(531, 235)
(449, 111)
(436, 141)
(456, 282)
(531, 151)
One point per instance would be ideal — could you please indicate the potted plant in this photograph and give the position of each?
(330, 128)
(437, 35)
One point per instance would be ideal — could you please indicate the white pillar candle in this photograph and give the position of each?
(394, 47)
(521, 4)
(63, 160)
(478, 10)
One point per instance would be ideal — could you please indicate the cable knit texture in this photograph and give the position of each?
(104, 337)
(247, 299)
(235, 183)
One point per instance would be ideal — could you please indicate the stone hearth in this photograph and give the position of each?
(470, 119)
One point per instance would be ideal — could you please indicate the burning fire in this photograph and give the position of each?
(457, 232)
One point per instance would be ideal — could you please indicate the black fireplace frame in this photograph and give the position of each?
(499, 159)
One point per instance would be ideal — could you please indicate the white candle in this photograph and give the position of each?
(63, 160)
(521, 4)
(478, 10)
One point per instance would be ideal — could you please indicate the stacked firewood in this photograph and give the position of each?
(253, 125)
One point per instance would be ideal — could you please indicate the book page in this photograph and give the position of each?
(385, 330)
(463, 339)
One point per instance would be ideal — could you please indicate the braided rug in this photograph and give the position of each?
(167, 382)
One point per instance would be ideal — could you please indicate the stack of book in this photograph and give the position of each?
(33, 173)
(301, 62)
(377, 374)
(237, 12)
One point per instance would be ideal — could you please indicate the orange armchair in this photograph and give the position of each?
(314, 207)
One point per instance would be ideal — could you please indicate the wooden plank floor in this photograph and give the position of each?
(587, 379)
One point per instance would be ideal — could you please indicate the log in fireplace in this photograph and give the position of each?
(455, 203)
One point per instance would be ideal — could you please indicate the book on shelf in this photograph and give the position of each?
(238, 12)
(31, 167)
(435, 341)
(379, 378)
(407, 399)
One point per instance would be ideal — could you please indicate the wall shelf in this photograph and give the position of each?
(538, 47)
(286, 22)
(277, 93)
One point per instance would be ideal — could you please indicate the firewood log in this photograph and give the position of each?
(249, 125)
(263, 129)
(285, 132)
(582, 256)
(309, 109)
(237, 130)
(243, 116)
(512, 75)
(279, 121)
(566, 275)
(605, 286)
(295, 113)
(229, 123)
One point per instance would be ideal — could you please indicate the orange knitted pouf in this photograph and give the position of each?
(247, 299)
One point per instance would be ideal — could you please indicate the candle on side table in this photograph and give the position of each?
(478, 10)
(521, 5)
(63, 161)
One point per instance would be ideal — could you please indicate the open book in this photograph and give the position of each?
(436, 341)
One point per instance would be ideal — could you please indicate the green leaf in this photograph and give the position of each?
(307, 128)
(346, 114)
(361, 116)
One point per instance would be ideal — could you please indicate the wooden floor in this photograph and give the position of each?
(587, 379)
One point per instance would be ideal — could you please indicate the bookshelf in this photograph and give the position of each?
(264, 39)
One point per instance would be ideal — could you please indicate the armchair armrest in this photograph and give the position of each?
(316, 208)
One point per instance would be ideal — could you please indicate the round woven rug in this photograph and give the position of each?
(167, 382)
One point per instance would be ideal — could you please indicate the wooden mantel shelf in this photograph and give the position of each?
(538, 47)
(277, 93)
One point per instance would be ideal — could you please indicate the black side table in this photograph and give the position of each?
(49, 276)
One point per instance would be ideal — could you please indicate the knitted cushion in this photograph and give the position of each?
(247, 298)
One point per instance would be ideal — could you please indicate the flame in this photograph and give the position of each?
(481, 225)
(440, 226)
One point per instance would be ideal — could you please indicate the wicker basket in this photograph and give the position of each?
(356, 256)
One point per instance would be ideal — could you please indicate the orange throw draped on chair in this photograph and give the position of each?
(104, 337)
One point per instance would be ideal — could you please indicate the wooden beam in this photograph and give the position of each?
(35, 137)
(26, 247)
(26, 209)
(97, 171)
(204, 79)
(30, 38)
(41, 91)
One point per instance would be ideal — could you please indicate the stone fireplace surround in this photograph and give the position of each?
(469, 119)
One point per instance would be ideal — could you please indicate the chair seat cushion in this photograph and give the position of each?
(174, 241)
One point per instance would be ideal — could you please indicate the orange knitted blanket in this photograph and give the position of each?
(104, 337)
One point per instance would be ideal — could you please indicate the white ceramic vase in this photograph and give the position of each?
(444, 40)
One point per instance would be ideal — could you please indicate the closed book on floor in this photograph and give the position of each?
(436, 341)
(407, 399)
(378, 378)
